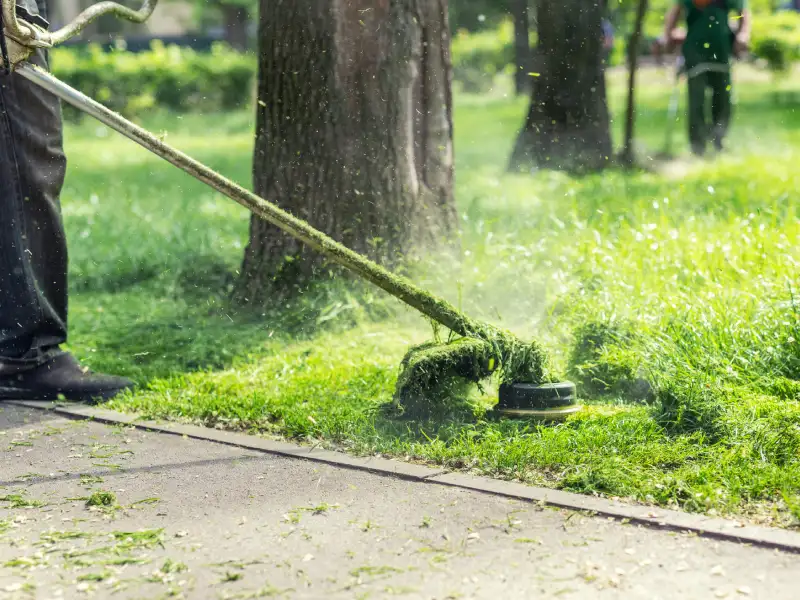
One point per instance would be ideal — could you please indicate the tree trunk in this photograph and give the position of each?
(567, 126)
(354, 134)
(627, 158)
(236, 19)
(522, 46)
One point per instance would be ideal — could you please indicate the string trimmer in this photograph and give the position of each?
(429, 371)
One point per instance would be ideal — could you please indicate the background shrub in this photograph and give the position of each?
(168, 77)
(776, 39)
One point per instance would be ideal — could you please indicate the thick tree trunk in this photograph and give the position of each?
(236, 20)
(567, 126)
(627, 158)
(354, 133)
(522, 46)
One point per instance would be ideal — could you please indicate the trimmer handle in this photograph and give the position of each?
(32, 36)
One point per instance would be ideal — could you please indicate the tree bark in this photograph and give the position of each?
(522, 46)
(627, 158)
(236, 19)
(567, 126)
(354, 134)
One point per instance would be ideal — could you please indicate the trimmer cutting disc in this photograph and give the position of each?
(550, 401)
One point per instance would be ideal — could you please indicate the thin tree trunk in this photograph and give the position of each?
(522, 46)
(627, 158)
(567, 126)
(236, 19)
(354, 134)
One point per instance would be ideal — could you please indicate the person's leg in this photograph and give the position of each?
(720, 106)
(33, 249)
(698, 127)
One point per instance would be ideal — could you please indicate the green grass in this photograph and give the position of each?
(682, 276)
(20, 501)
(102, 499)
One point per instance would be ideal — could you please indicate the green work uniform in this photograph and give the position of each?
(707, 51)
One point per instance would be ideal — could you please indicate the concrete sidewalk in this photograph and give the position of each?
(195, 519)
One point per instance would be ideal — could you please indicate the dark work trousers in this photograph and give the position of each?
(33, 247)
(700, 129)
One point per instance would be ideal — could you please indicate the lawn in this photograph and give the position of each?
(668, 294)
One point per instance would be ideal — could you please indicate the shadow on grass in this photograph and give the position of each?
(167, 345)
(194, 275)
(164, 329)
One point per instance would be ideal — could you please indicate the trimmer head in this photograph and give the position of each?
(548, 402)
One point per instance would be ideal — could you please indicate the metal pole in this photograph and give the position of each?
(399, 287)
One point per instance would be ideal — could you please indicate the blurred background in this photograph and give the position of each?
(491, 40)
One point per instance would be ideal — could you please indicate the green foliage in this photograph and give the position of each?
(479, 57)
(251, 5)
(474, 15)
(776, 39)
(775, 51)
(173, 78)
(208, 11)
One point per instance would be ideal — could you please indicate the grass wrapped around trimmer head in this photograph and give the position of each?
(436, 371)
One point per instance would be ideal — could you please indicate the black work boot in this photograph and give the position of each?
(63, 377)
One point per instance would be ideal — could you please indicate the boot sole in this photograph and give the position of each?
(8, 393)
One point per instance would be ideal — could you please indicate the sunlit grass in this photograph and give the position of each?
(682, 276)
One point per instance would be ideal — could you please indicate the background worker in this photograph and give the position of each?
(707, 49)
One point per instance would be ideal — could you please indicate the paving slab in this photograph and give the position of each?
(189, 518)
